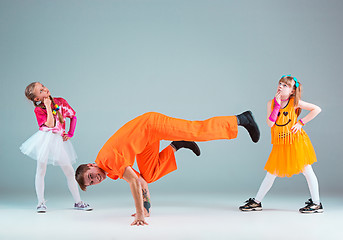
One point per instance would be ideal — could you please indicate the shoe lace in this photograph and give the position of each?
(82, 204)
(309, 202)
(250, 200)
(42, 204)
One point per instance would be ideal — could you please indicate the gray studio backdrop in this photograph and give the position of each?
(114, 60)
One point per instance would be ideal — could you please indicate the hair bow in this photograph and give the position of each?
(294, 78)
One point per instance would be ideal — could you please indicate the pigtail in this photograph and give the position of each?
(297, 97)
(60, 117)
(297, 91)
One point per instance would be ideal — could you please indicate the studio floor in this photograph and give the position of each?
(173, 217)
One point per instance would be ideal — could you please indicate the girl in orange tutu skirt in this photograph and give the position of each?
(292, 151)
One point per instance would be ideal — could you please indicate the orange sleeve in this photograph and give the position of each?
(112, 163)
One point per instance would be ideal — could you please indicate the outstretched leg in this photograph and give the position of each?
(313, 205)
(68, 171)
(312, 183)
(265, 187)
(162, 127)
(254, 204)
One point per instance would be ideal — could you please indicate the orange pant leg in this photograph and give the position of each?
(153, 164)
(162, 127)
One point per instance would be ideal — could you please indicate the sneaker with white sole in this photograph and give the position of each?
(82, 206)
(41, 208)
(251, 205)
(311, 207)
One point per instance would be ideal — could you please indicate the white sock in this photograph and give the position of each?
(39, 181)
(72, 184)
(312, 183)
(266, 184)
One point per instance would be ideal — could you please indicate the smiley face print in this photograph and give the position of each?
(285, 122)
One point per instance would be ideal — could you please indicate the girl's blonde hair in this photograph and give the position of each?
(297, 90)
(29, 93)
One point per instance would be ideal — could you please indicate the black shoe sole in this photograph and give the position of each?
(251, 209)
(191, 145)
(197, 149)
(315, 211)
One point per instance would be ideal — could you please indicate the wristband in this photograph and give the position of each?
(275, 111)
(301, 122)
(72, 127)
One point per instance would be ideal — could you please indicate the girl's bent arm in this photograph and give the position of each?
(314, 110)
(50, 118)
(269, 111)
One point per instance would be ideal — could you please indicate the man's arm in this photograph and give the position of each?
(146, 196)
(136, 190)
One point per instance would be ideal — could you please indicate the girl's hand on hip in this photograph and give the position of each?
(297, 127)
(65, 137)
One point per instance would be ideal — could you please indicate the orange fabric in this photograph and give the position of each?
(291, 152)
(154, 164)
(287, 118)
(141, 136)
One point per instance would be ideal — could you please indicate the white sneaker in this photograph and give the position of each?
(82, 206)
(41, 208)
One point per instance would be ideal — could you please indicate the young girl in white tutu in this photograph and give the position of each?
(50, 144)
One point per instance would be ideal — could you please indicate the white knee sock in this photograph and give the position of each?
(69, 173)
(39, 181)
(265, 187)
(312, 183)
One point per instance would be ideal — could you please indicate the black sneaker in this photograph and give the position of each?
(247, 121)
(251, 205)
(311, 207)
(186, 144)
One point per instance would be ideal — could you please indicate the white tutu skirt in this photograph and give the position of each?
(49, 147)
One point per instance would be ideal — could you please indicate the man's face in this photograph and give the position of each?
(94, 175)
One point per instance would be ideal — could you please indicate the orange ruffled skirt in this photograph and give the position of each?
(289, 159)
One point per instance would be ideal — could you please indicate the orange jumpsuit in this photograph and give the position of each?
(140, 138)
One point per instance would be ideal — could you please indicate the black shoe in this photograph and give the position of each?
(247, 121)
(311, 207)
(186, 144)
(251, 205)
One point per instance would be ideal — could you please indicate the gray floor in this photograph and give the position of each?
(173, 217)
